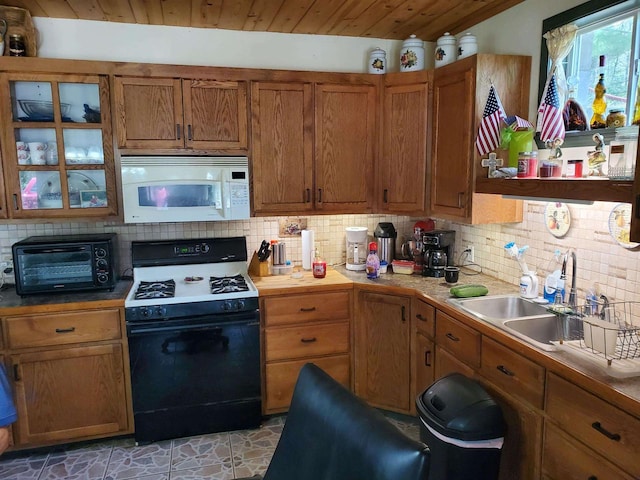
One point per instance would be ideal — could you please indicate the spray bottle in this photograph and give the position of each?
(529, 279)
(554, 282)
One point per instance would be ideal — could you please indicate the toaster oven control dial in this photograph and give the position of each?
(102, 264)
(101, 252)
(102, 278)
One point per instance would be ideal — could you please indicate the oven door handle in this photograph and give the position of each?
(141, 330)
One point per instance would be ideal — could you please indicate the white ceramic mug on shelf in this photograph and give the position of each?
(37, 151)
(23, 153)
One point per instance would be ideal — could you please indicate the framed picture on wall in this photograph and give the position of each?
(93, 198)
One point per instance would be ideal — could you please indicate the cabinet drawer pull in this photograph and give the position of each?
(505, 370)
(451, 336)
(613, 436)
(65, 330)
(177, 131)
(427, 358)
(308, 309)
(309, 340)
(421, 318)
(592, 477)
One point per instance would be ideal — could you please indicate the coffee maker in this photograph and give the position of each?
(437, 249)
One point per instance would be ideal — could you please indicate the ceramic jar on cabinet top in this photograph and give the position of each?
(412, 55)
(378, 61)
(445, 50)
(467, 46)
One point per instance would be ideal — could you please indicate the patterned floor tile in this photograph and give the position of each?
(80, 465)
(25, 468)
(200, 451)
(219, 471)
(134, 462)
(247, 467)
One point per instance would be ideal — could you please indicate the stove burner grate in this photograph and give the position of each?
(158, 289)
(237, 283)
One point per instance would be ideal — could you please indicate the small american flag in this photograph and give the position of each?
(552, 122)
(488, 137)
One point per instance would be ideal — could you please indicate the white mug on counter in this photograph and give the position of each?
(37, 150)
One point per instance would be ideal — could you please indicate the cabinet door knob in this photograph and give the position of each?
(16, 372)
(385, 196)
(178, 131)
(189, 133)
(319, 195)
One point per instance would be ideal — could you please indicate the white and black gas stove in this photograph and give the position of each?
(193, 327)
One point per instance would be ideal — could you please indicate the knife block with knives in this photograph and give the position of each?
(259, 264)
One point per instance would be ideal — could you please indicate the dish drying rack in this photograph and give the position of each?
(609, 330)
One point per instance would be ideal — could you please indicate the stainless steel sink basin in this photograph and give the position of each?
(500, 307)
(522, 318)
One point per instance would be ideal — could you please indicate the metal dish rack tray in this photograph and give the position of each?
(609, 330)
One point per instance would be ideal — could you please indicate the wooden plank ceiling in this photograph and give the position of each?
(393, 19)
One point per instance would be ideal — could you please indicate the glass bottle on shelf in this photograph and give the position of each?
(636, 110)
(599, 104)
(573, 114)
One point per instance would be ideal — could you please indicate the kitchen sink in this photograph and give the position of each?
(519, 316)
(500, 307)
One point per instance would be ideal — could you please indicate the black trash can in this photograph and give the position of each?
(463, 427)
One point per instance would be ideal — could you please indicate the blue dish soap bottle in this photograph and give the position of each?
(372, 264)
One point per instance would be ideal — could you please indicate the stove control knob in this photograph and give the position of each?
(162, 311)
(146, 312)
(227, 306)
(241, 305)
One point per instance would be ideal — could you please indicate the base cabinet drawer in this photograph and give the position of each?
(295, 309)
(306, 341)
(564, 458)
(463, 342)
(63, 328)
(604, 428)
(512, 372)
(281, 378)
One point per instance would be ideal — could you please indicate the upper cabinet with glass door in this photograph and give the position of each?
(57, 146)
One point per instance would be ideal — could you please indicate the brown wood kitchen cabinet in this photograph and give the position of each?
(423, 329)
(313, 146)
(57, 145)
(174, 114)
(460, 92)
(602, 439)
(302, 328)
(282, 146)
(70, 372)
(382, 349)
(402, 169)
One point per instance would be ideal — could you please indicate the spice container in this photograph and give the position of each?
(528, 165)
(412, 55)
(445, 50)
(616, 118)
(574, 168)
(378, 61)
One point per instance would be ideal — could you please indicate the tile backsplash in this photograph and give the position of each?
(601, 262)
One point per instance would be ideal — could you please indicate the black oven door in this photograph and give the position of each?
(42, 269)
(196, 375)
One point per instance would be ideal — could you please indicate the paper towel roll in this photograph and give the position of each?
(307, 249)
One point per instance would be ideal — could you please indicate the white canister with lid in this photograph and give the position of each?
(445, 50)
(412, 55)
(467, 46)
(378, 61)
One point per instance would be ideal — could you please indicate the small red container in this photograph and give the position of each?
(574, 168)
(528, 164)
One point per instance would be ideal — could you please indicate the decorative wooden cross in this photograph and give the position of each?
(492, 162)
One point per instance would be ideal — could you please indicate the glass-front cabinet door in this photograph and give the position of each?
(57, 146)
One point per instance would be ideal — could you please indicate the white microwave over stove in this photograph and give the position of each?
(184, 189)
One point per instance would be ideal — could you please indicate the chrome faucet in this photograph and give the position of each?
(573, 293)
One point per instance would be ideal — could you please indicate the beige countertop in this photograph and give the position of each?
(591, 374)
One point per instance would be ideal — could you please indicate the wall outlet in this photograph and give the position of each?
(471, 254)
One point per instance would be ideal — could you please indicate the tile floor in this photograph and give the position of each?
(220, 456)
